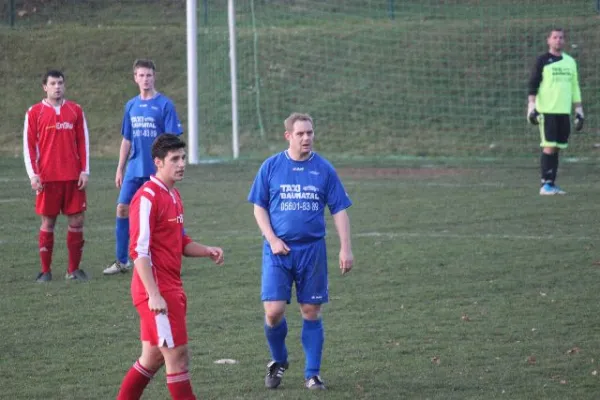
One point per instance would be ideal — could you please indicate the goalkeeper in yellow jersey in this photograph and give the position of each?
(553, 93)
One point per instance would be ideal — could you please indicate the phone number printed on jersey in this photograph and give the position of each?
(145, 133)
(299, 206)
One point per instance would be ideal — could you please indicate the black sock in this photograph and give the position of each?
(554, 166)
(547, 167)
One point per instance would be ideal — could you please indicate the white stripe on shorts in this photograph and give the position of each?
(163, 328)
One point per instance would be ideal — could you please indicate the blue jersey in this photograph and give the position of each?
(143, 121)
(295, 194)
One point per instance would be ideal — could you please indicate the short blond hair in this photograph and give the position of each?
(295, 116)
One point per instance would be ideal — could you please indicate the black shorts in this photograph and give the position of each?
(555, 130)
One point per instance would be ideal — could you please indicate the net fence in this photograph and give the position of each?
(380, 78)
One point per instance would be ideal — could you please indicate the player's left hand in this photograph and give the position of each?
(346, 261)
(579, 119)
(578, 122)
(83, 181)
(216, 254)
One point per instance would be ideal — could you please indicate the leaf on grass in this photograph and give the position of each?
(531, 360)
(572, 351)
(542, 294)
(563, 381)
(435, 360)
(359, 388)
(465, 318)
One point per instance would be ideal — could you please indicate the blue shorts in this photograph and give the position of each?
(305, 265)
(128, 189)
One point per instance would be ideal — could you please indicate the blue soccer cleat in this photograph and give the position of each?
(550, 190)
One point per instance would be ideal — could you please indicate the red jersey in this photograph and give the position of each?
(156, 231)
(56, 142)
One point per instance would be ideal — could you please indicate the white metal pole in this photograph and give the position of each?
(233, 71)
(192, 81)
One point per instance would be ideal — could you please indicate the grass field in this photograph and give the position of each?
(462, 273)
(467, 284)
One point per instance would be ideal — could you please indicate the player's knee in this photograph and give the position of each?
(182, 364)
(177, 360)
(76, 222)
(273, 316)
(310, 312)
(122, 210)
(48, 224)
(152, 361)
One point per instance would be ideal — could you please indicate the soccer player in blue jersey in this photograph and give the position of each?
(146, 116)
(290, 193)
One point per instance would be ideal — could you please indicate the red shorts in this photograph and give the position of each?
(60, 196)
(165, 329)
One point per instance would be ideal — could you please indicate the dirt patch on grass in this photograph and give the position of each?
(365, 173)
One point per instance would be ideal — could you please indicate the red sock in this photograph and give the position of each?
(75, 246)
(46, 244)
(134, 382)
(180, 386)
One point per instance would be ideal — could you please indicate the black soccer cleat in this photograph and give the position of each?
(315, 383)
(275, 372)
(44, 277)
(78, 275)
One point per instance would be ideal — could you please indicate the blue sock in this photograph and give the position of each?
(313, 337)
(276, 340)
(122, 237)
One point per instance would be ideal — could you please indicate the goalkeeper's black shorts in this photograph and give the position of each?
(555, 130)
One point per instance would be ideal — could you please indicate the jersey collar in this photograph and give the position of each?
(156, 94)
(159, 183)
(62, 103)
(312, 154)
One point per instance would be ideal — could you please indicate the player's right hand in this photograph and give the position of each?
(532, 114)
(279, 247)
(36, 184)
(119, 178)
(157, 304)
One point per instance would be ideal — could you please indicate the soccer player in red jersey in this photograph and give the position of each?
(56, 153)
(158, 241)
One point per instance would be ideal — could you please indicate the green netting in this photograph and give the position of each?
(380, 77)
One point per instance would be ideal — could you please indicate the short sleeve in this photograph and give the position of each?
(171, 120)
(126, 128)
(259, 192)
(337, 198)
(141, 223)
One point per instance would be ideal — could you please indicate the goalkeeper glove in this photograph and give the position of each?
(578, 119)
(532, 114)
